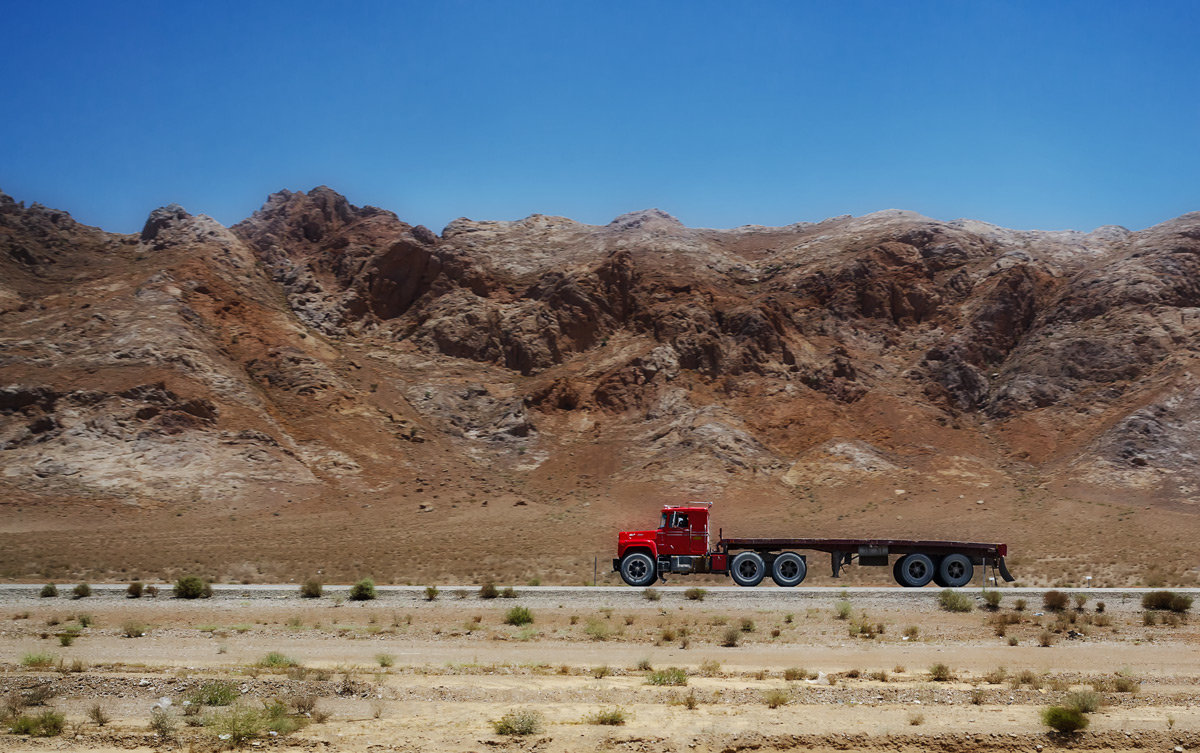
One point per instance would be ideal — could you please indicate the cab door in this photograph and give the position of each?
(677, 534)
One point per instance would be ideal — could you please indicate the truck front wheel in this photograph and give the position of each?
(788, 570)
(638, 569)
(914, 570)
(747, 569)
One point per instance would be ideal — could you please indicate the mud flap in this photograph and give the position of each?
(1004, 573)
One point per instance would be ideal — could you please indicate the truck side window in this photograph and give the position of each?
(681, 520)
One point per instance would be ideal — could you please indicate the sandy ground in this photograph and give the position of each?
(453, 666)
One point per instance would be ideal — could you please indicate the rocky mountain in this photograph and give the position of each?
(325, 362)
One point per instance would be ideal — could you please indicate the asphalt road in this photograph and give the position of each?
(762, 597)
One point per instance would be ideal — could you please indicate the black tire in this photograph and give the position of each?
(916, 570)
(748, 569)
(788, 570)
(896, 571)
(638, 569)
(955, 571)
(938, 580)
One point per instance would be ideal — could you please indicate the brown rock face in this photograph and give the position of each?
(319, 351)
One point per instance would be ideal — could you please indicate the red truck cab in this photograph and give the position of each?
(681, 540)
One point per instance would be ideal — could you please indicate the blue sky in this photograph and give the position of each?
(1027, 114)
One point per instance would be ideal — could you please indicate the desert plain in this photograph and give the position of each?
(861, 668)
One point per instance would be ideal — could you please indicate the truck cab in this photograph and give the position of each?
(679, 545)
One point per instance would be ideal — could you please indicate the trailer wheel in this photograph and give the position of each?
(638, 569)
(955, 570)
(747, 569)
(916, 570)
(788, 570)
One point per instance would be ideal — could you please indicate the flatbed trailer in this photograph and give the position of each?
(682, 545)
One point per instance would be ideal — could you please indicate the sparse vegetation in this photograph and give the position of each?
(82, 591)
(163, 724)
(364, 590)
(98, 716)
(710, 668)
(1055, 601)
(518, 723)
(731, 638)
(508, 592)
(955, 601)
(916, 718)
(192, 587)
(695, 594)
(311, 589)
(1063, 719)
(613, 717)
(776, 697)
(1083, 701)
(940, 673)
(276, 660)
(133, 629)
(431, 593)
(650, 594)
(992, 598)
(49, 591)
(1020, 605)
(134, 590)
(597, 629)
(841, 610)
(601, 671)
(385, 660)
(518, 615)
(668, 676)
(37, 660)
(213, 693)
(49, 723)
(1167, 600)
(488, 591)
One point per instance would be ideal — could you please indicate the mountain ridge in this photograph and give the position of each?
(318, 351)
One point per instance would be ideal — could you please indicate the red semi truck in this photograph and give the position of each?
(682, 544)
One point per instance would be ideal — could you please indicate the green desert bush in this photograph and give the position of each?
(1084, 701)
(192, 587)
(237, 725)
(82, 591)
(1063, 719)
(992, 598)
(37, 660)
(364, 590)
(134, 590)
(213, 693)
(940, 673)
(276, 660)
(651, 594)
(695, 594)
(488, 591)
(955, 601)
(668, 676)
(518, 723)
(311, 589)
(49, 723)
(518, 616)
(49, 591)
(776, 697)
(613, 717)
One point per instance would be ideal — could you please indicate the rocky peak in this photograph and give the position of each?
(162, 218)
(646, 219)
